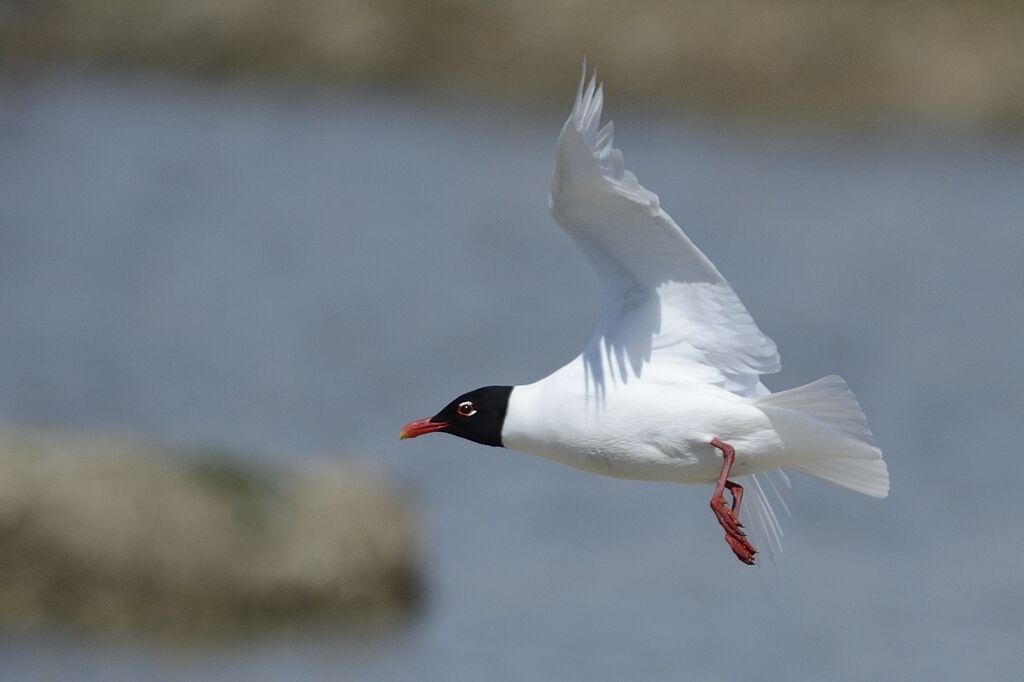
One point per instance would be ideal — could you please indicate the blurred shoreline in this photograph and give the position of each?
(113, 535)
(951, 62)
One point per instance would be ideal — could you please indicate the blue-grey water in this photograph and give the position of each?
(294, 274)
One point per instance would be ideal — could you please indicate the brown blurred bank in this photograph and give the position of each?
(115, 535)
(950, 61)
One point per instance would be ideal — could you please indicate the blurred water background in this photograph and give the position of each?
(292, 268)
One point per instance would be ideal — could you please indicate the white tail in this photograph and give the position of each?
(826, 420)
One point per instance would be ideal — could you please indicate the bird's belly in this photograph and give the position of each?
(682, 457)
(631, 461)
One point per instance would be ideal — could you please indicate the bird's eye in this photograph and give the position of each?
(465, 409)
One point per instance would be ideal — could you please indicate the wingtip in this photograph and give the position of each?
(586, 92)
(579, 88)
(583, 76)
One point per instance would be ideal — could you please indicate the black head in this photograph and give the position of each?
(477, 416)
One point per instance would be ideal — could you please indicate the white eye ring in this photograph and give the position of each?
(465, 409)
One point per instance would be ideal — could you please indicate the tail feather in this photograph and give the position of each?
(830, 401)
(870, 477)
(824, 418)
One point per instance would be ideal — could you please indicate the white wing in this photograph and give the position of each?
(668, 314)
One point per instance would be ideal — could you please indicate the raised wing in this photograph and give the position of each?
(668, 315)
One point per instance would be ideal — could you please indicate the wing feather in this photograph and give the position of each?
(665, 304)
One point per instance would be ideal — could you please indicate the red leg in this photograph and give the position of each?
(737, 497)
(729, 517)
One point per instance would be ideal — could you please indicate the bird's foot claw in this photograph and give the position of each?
(742, 548)
(734, 534)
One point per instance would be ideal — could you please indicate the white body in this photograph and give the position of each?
(676, 359)
(641, 431)
(651, 432)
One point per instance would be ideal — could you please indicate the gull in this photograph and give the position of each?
(668, 388)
